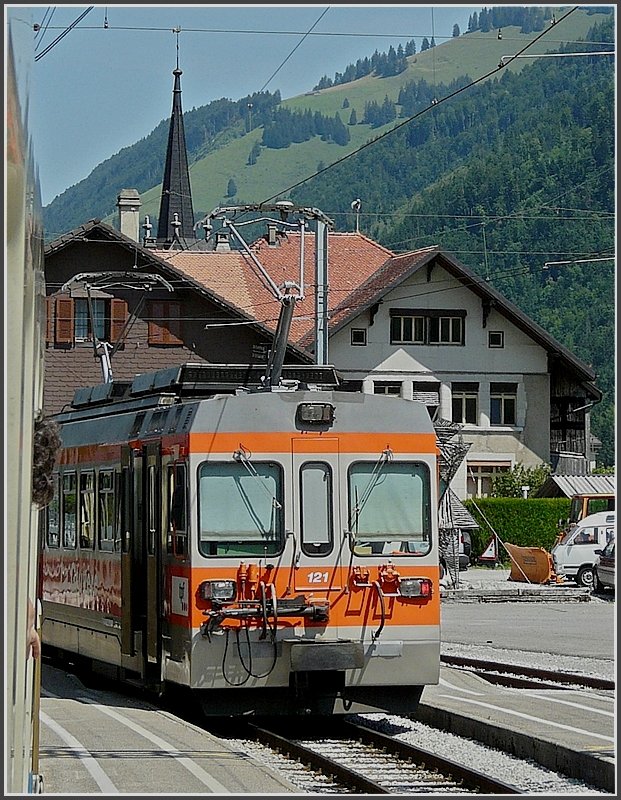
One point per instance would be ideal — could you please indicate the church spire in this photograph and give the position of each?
(176, 218)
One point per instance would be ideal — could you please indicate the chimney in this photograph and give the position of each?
(222, 241)
(271, 234)
(128, 203)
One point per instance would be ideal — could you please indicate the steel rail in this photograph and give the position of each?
(518, 672)
(469, 778)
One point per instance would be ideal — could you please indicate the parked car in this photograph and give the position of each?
(605, 568)
(574, 555)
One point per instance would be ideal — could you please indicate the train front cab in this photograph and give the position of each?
(314, 578)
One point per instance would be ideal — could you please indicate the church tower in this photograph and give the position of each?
(175, 229)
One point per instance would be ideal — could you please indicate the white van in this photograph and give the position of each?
(574, 555)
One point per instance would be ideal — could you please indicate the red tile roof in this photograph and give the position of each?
(234, 276)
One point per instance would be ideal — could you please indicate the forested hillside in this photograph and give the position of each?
(509, 174)
(518, 172)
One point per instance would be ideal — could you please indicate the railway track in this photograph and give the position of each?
(520, 677)
(364, 761)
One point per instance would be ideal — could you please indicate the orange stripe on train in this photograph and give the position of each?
(280, 442)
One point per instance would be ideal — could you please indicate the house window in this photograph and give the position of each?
(480, 476)
(465, 402)
(164, 323)
(387, 387)
(503, 403)
(84, 326)
(445, 330)
(69, 319)
(358, 337)
(496, 339)
(407, 329)
(427, 326)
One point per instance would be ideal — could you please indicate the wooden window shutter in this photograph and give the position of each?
(50, 303)
(64, 320)
(118, 317)
(156, 333)
(172, 329)
(165, 323)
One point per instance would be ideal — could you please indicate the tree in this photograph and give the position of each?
(509, 484)
(456, 31)
(353, 120)
(254, 154)
(231, 189)
(425, 45)
(345, 103)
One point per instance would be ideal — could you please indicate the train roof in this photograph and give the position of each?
(194, 381)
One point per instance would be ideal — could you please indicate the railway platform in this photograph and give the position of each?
(106, 743)
(559, 729)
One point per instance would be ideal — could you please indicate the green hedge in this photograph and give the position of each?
(527, 523)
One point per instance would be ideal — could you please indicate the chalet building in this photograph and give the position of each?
(423, 326)
(419, 325)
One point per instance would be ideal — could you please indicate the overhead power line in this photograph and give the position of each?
(435, 103)
(40, 55)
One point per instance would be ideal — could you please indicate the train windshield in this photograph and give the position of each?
(241, 508)
(389, 508)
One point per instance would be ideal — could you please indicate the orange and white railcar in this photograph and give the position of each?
(275, 551)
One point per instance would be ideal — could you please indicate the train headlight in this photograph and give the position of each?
(316, 413)
(218, 590)
(415, 587)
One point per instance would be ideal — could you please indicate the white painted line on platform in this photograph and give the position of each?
(198, 772)
(88, 761)
(568, 703)
(539, 720)
(459, 688)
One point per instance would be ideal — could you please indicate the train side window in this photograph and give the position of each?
(52, 528)
(105, 517)
(177, 537)
(316, 528)
(87, 510)
(68, 511)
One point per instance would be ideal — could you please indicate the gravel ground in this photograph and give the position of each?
(528, 776)
(597, 667)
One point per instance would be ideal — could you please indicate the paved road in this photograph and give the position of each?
(570, 628)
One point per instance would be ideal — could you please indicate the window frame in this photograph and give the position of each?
(52, 515)
(462, 392)
(502, 397)
(68, 490)
(85, 492)
(362, 333)
(430, 326)
(388, 386)
(501, 336)
(225, 547)
(106, 499)
(322, 548)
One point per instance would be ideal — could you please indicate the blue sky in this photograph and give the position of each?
(99, 89)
